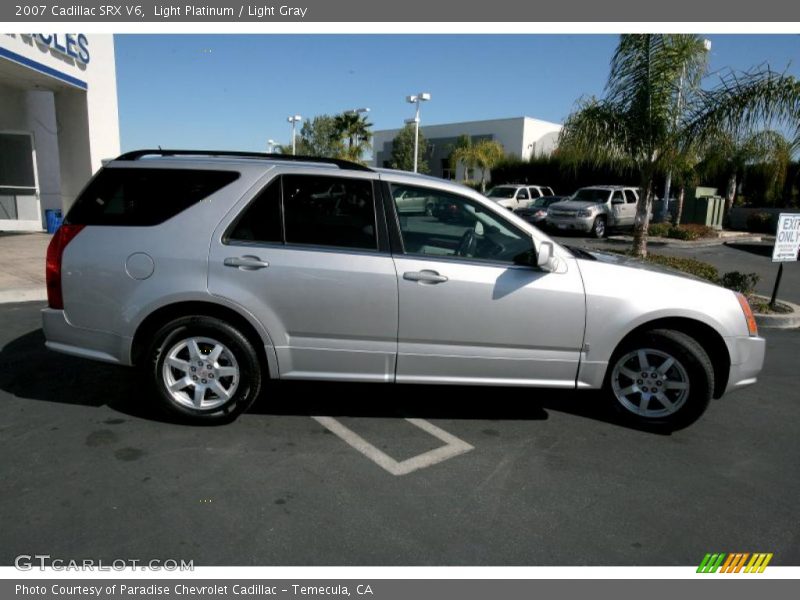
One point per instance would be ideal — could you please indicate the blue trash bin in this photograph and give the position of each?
(53, 219)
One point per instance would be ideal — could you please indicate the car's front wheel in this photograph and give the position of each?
(203, 369)
(599, 227)
(661, 378)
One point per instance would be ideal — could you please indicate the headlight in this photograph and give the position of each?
(585, 212)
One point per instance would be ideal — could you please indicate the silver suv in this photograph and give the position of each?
(514, 196)
(595, 210)
(216, 272)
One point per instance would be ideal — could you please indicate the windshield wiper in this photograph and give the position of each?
(580, 252)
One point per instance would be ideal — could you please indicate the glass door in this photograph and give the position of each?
(20, 209)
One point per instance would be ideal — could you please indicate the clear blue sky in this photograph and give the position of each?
(235, 91)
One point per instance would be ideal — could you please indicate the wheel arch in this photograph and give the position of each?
(705, 335)
(162, 315)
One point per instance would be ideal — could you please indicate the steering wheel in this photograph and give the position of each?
(468, 243)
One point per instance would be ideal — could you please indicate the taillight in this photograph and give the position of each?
(55, 252)
(752, 328)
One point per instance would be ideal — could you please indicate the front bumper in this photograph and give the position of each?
(571, 223)
(63, 336)
(747, 360)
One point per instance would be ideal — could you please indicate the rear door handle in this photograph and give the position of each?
(246, 263)
(425, 276)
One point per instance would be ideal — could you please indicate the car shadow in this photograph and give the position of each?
(31, 371)
(758, 249)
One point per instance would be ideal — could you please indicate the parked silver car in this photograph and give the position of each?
(596, 209)
(215, 272)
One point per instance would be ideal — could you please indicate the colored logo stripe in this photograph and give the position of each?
(734, 562)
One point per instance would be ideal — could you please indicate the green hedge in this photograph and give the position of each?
(688, 231)
(549, 170)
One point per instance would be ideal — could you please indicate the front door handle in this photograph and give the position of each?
(246, 263)
(426, 276)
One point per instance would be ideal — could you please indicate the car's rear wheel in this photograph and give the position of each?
(661, 378)
(599, 227)
(203, 369)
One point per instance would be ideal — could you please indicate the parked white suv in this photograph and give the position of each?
(216, 271)
(516, 196)
(595, 210)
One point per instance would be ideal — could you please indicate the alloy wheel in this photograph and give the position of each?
(200, 373)
(650, 383)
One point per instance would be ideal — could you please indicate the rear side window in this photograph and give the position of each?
(261, 221)
(143, 197)
(329, 211)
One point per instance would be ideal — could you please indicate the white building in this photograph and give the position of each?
(58, 120)
(520, 136)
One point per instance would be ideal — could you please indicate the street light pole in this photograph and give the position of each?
(294, 120)
(271, 146)
(416, 99)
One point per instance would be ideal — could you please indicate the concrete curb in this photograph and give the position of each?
(705, 243)
(778, 321)
(23, 295)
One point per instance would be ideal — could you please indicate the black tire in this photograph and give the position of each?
(238, 351)
(599, 228)
(688, 355)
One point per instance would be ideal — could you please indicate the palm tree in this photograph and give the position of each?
(730, 155)
(484, 154)
(354, 128)
(655, 107)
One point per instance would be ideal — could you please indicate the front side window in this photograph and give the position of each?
(458, 228)
(522, 195)
(329, 211)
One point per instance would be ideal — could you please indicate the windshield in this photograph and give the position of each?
(502, 192)
(540, 203)
(590, 195)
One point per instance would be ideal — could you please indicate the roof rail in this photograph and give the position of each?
(342, 164)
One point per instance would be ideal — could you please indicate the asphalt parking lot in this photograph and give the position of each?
(482, 476)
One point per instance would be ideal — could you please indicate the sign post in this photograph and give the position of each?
(787, 247)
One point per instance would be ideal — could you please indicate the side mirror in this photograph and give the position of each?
(542, 259)
(544, 256)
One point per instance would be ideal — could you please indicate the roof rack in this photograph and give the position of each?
(342, 164)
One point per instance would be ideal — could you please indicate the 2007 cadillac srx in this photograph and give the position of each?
(216, 271)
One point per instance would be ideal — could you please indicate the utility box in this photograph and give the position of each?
(704, 207)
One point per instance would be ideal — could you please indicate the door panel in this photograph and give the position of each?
(468, 314)
(331, 315)
(330, 308)
(489, 324)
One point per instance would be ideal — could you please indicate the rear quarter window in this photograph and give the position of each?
(143, 197)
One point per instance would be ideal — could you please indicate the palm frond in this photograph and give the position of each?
(743, 103)
(597, 132)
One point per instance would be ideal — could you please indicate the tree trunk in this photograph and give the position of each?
(730, 193)
(679, 207)
(483, 181)
(642, 221)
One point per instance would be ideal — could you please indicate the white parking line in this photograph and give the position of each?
(453, 446)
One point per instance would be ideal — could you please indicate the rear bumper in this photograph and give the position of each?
(64, 337)
(747, 360)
